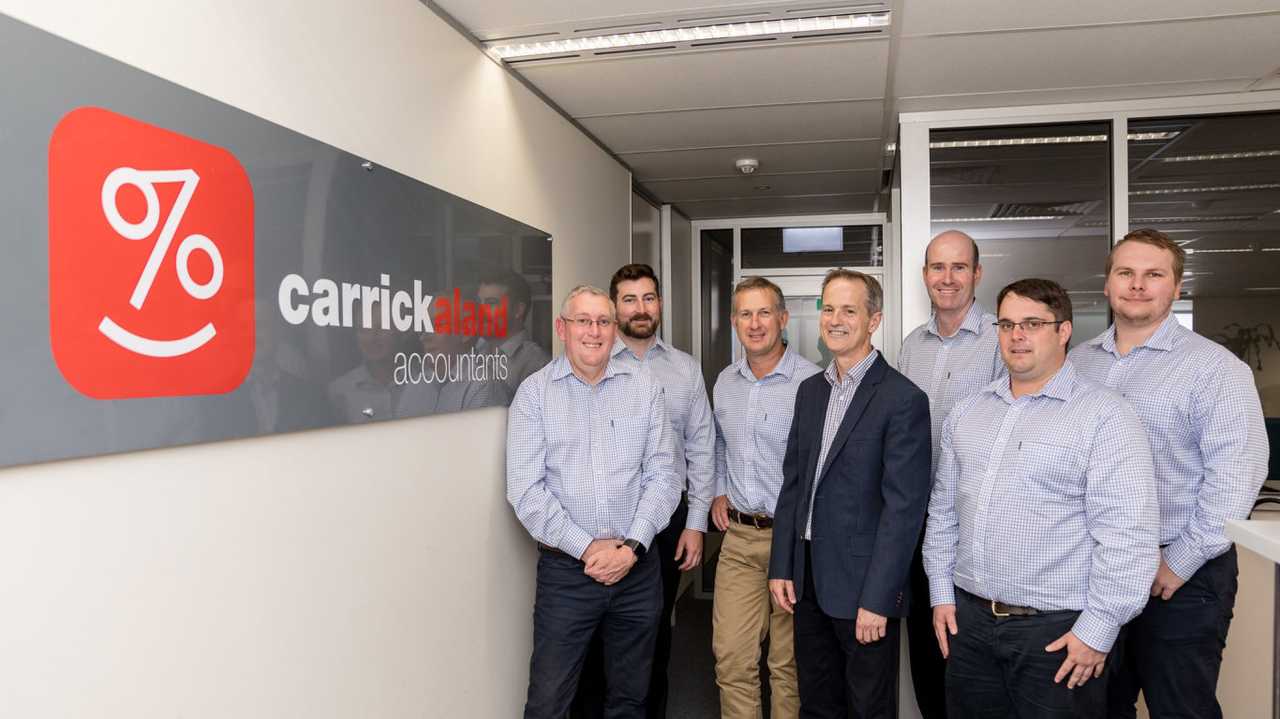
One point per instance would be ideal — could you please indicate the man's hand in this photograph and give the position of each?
(720, 512)
(597, 546)
(610, 566)
(1083, 662)
(869, 626)
(944, 625)
(689, 547)
(1166, 582)
(784, 594)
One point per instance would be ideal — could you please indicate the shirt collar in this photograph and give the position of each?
(1060, 385)
(620, 347)
(1162, 339)
(786, 366)
(972, 321)
(560, 368)
(854, 374)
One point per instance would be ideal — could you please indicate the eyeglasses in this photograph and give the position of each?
(603, 323)
(1032, 325)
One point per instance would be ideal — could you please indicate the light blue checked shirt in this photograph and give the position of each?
(1046, 501)
(1204, 420)
(753, 417)
(842, 392)
(590, 462)
(949, 369)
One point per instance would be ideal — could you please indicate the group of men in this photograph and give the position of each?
(1074, 552)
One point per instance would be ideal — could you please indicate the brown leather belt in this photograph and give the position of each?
(759, 521)
(1000, 609)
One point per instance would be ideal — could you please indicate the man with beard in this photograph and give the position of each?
(634, 290)
(1203, 418)
(950, 357)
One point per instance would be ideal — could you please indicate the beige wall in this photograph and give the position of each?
(373, 571)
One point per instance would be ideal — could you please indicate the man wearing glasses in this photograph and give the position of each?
(755, 400)
(1041, 539)
(950, 357)
(589, 473)
(635, 292)
(1204, 421)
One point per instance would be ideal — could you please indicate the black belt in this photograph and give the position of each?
(554, 550)
(759, 521)
(1000, 609)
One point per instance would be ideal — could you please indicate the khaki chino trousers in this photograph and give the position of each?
(742, 616)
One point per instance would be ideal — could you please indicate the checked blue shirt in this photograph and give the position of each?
(589, 462)
(1204, 421)
(693, 430)
(1046, 501)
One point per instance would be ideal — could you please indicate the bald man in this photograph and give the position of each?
(953, 355)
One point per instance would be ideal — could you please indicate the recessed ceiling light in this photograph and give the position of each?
(1245, 155)
(1217, 188)
(1218, 250)
(722, 31)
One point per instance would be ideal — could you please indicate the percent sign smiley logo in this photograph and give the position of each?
(146, 183)
(150, 260)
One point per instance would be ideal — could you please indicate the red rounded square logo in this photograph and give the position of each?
(150, 260)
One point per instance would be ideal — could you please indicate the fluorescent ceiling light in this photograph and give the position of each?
(999, 219)
(1218, 188)
(700, 33)
(1218, 250)
(1189, 218)
(1246, 155)
(1052, 140)
(1262, 289)
(1271, 249)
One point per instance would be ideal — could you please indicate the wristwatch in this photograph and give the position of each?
(636, 547)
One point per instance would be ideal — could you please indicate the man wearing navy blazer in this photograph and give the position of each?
(854, 496)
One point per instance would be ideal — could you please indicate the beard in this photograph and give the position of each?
(629, 328)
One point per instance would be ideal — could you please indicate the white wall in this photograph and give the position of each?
(373, 571)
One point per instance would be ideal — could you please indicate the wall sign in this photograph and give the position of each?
(177, 270)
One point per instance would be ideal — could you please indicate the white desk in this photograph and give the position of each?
(1263, 537)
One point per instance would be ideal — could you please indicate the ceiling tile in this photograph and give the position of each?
(816, 183)
(777, 206)
(949, 16)
(864, 154)
(751, 75)
(964, 101)
(1117, 55)
(738, 126)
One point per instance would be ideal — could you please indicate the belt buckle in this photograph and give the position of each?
(755, 521)
(996, 612)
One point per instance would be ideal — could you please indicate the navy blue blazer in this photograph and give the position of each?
(872, 497)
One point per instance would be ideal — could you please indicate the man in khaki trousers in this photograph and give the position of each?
(754, 400)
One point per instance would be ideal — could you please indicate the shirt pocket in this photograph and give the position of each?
(1053, 474)
(628, 437)
(771, 430)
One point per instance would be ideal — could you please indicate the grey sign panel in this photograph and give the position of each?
(177, 270)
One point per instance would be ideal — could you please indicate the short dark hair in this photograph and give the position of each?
(516, 286)
(757, 283)
(633, 271)
(1046, 292)
(1155, 238)
(875, 293)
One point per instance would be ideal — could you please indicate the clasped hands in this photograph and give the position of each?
(608, 561)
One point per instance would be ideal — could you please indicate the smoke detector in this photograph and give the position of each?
(747, 165)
